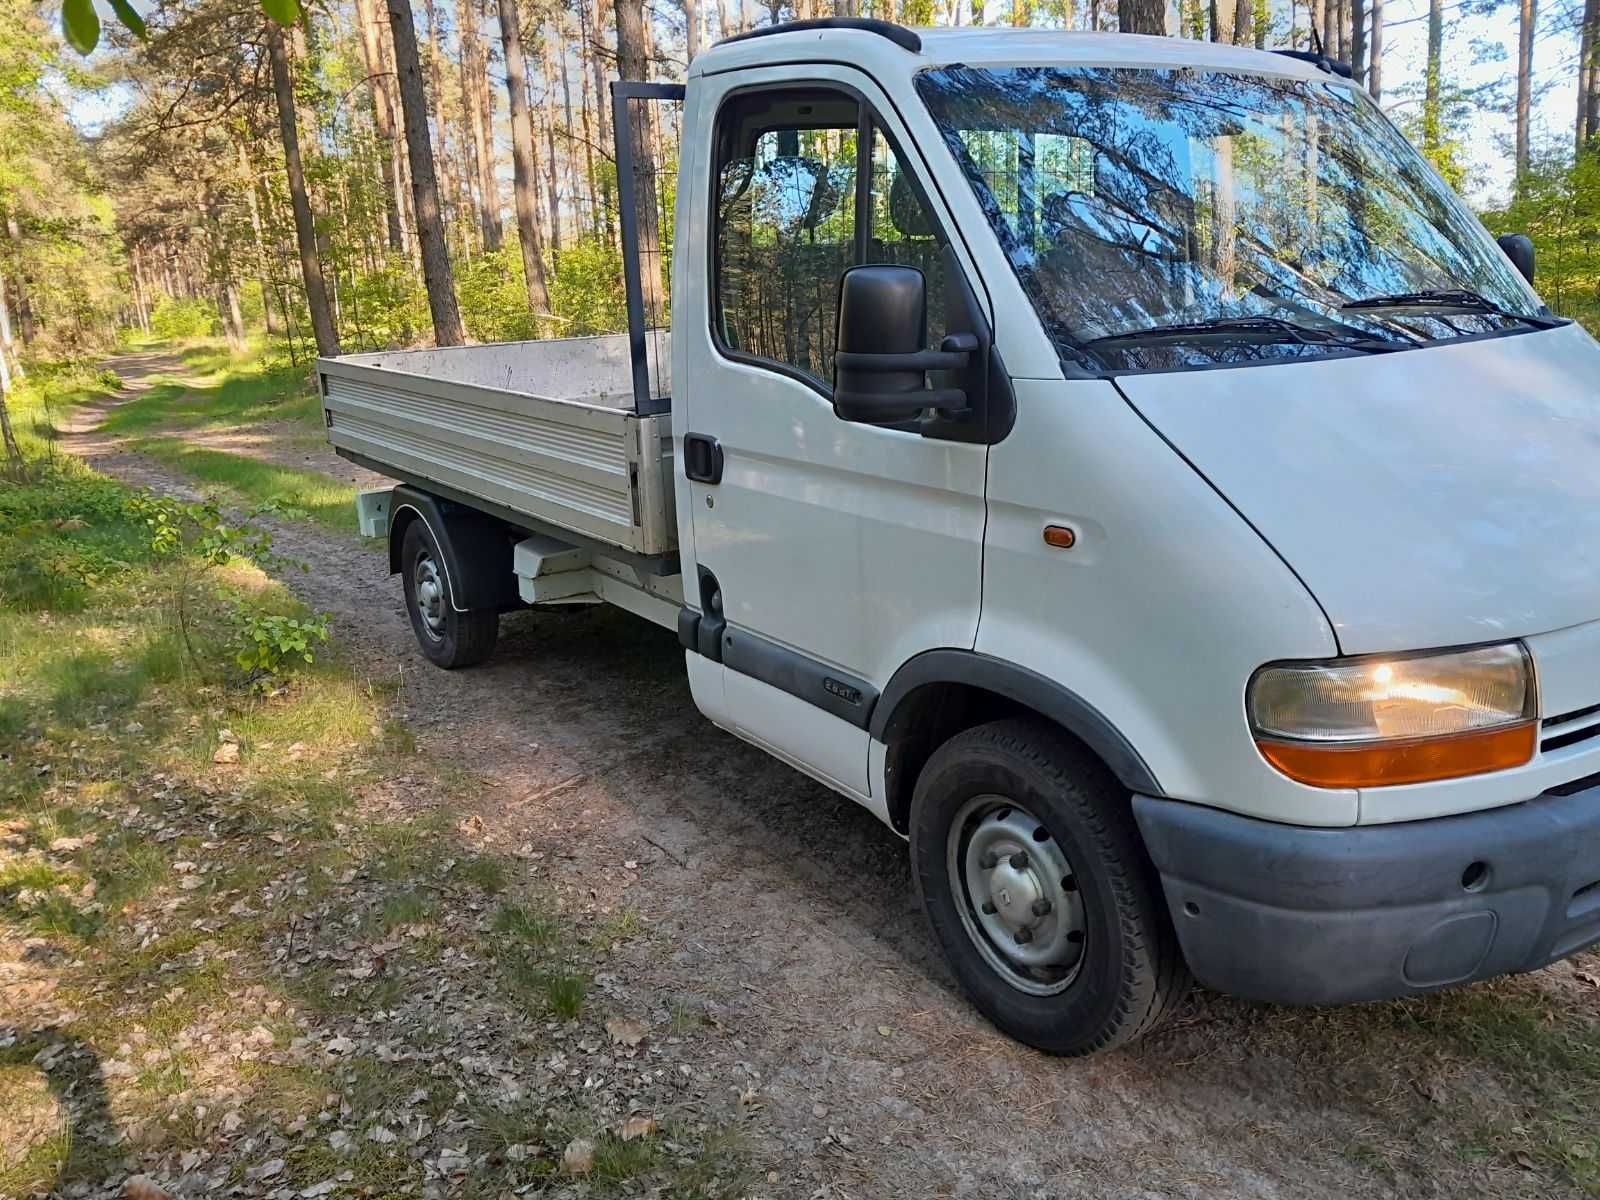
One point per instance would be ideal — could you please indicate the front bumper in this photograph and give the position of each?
(1294, 915)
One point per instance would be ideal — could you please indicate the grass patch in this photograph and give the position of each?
(406, 908)
(483, 871)
(250, 482)
(528, 927)
(230, 390)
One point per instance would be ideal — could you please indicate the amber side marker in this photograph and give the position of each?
(1416, 760)
(1060, 537)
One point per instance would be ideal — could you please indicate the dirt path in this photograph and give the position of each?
(787, 914)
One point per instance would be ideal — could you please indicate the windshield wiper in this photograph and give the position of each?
(1456, 299)
(1266, 330)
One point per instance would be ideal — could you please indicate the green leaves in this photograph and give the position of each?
(80, 24)
(284, 12)
(269, 643)
(129, 17)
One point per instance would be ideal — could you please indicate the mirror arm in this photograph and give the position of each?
(918, 360)
(951, 403)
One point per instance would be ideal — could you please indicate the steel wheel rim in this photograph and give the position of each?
(430, 595)
(1017, 895)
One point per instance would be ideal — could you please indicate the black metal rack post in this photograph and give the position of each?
(622, 91)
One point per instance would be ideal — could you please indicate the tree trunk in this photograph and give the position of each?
(140, 302)
(597, 44)
(1318, 14)
(14, 464)
(305, 233)
(554, 190)
(631, 65)
(1142, 16)
(5, 352)
(1375, 52)
(1432, 134)
(1528, 19)
(592, 176)
(691, 29)
(382, 117)
(572, 138)
(19, 284)
(1244, 21)
(479, 119)
(1223, 13)
(9, 346)
(456, 192)
(524, 164)
(1587, 47)
(436, 272)
(724, 29)
(1358, 40)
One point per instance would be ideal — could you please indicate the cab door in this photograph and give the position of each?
(825, 553)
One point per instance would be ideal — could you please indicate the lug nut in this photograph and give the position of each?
(1024, 936)
(1041, 907)
(1019, 860)
(988, 908)
(989, 862)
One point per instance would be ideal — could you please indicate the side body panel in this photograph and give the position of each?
(849, 546)
(1162, 609)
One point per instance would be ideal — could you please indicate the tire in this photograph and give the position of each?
(449, 638)
(1018, 810)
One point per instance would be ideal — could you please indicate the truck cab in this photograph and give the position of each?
(1124, 466)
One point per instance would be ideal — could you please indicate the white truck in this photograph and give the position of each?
(1119, 463)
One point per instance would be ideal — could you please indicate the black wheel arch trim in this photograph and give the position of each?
(1028, 688)
(476, 549)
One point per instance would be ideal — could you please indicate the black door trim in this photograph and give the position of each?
(835, 692)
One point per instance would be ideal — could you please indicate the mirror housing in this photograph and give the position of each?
(1518, 247)
(881, 363)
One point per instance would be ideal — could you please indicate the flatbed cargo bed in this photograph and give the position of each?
(546, 430)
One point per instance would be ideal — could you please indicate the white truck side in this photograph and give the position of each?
(1119, 463)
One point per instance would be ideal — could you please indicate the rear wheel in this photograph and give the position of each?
(1035, 883)
(448, 637)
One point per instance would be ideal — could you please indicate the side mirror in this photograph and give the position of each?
(881, 364)
(1518, 248)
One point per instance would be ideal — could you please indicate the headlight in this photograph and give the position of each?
(1384, 720)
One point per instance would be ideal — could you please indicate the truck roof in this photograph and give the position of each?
(983, 46)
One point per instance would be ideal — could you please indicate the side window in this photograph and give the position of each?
(786, 224)
(792, 170)
(904, 232)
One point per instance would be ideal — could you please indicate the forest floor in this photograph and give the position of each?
(770, 942)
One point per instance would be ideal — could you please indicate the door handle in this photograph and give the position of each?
(702, 458)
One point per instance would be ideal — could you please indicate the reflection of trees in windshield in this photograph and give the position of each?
(1128, 199)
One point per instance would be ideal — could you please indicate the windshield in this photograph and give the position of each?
(1131, 199)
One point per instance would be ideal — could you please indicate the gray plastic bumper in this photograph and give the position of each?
(1327, 916)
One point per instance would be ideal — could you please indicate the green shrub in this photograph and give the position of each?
(271, 642)
(494, 300)
(387, 307)
(60, 534)
(184, 318)
(586, 290)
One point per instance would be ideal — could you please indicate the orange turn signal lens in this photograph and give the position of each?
(1411, 760)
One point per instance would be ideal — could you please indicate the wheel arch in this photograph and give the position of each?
(940, 693)
(477, 549)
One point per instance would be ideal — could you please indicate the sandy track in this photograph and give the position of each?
(787, 913)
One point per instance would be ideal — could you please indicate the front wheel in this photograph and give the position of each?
(1038, 890)
(448, 637)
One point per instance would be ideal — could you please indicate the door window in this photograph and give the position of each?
(904, 232)
(793, 168)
